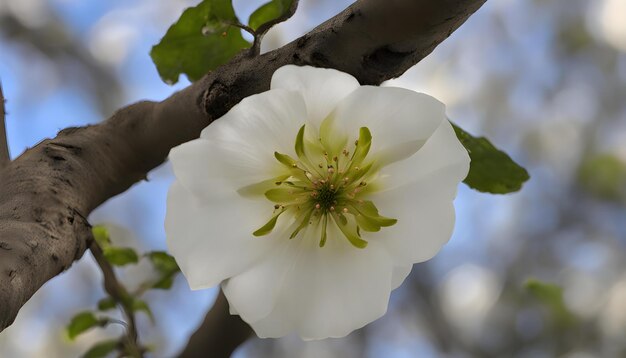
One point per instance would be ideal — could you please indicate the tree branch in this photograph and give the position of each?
(47, 191)
(219, 334)
(4, 144)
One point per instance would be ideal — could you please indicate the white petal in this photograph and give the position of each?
(238, 149)
(322, 88)
(399, 274)
(442, 150)
(423, 202)
(400, 120)
(211, 241)
(316, 292)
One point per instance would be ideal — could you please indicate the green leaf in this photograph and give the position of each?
(165, 283)
(166, 266)
(106, 304)
(272, 13)
(163, 262)
(491, 170)
(604, 175)
(101, 235)
(102, 349)
(120, 256)
(140, 305)
(203, 38)
(82, 322)
(551, 295)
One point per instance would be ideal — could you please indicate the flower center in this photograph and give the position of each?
(326, 185)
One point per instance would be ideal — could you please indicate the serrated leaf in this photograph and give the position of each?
(101, 235)
(102, 349)
(202, 39)
(106, 304)
(120, 256)
(491, 170)
(272, 12)
(82, 322)
(163, 262)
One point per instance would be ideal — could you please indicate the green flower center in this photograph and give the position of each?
(326, 185)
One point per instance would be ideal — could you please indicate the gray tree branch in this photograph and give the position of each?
(48, 191)
(4, 145)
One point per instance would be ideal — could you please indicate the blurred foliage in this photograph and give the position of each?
(53, 41)
(82, 322)
(551, 296)
(604, 175)
(128, 302)
(102, 349)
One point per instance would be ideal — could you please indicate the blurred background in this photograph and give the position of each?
(544, 80)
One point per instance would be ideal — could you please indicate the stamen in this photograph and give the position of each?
(336, 192)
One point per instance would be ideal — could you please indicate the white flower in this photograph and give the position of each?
(310, 202)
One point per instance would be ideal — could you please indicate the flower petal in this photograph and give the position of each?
(423, 202)
(400, 120)
(322, 88)
(238, 149)
(213, 241)
(399, 274)
(316, 292)
(442, 150)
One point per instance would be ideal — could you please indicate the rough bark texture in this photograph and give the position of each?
(48, 191)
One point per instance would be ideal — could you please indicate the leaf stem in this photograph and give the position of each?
(119, 293)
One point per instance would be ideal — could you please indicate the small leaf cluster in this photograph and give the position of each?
(209, 35)
(166, 268)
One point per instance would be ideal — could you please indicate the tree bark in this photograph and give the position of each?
(48, 191)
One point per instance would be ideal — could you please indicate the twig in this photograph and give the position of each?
(119, 293)
(4, 145)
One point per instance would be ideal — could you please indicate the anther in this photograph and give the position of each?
(332, 208)
(331, 170)
(276, 206)
(317, 206)
(345, 210)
